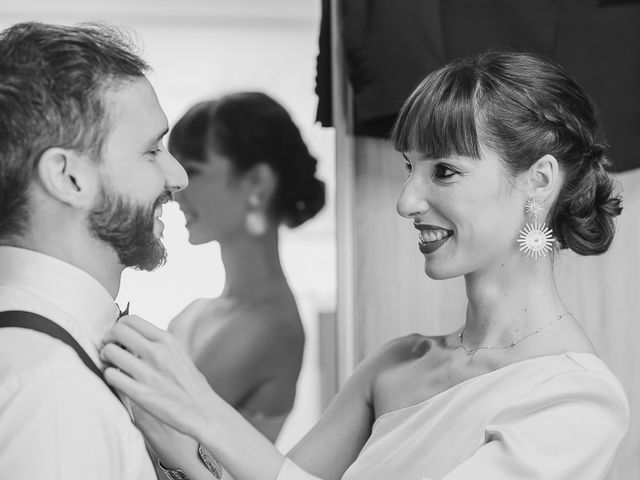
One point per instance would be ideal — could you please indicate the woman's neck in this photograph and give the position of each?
(252, 265)
(510, 301)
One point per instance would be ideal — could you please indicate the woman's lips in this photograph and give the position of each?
(430, 247)
(189, 216)
(432, 237)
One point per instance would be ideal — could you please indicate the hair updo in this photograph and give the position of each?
(524, 107)
(250, 128)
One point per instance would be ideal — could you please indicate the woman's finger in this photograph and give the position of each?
(165, 408)
(129, 338)
(125, 361)
(122, 382)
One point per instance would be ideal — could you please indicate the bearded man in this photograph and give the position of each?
(83, 177)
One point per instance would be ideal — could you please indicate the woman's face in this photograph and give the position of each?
(214, 204)
(467, 211)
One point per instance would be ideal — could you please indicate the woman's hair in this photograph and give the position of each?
(524, 107)
(250, 128)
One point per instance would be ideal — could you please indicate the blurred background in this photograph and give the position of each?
(354, 268)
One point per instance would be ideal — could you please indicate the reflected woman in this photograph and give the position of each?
(249, 171)
(505, 165)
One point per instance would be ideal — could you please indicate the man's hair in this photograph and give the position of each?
(52, 84)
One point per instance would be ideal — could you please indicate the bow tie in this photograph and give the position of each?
(124, 312)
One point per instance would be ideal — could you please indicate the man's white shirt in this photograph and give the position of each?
(58, 420)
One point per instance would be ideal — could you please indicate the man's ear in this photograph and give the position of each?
(543, 178)
(260, 183)
(67, 176)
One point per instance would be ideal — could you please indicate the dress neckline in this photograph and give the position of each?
(459, 385)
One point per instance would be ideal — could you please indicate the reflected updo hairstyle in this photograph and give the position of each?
(250, 128)
(523, 107)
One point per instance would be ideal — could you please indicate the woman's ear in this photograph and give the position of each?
(67, 176)
(261, 183)
(543, 178)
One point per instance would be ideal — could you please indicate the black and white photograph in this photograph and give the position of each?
(320, 240)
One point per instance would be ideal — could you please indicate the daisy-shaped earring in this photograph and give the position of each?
(533, 208)
(536, 239)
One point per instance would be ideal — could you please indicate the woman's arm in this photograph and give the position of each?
(156, 373)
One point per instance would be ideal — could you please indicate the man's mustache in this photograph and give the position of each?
(164, 197)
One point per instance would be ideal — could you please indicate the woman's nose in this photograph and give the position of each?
(412, 201)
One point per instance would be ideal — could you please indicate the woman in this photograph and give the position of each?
(249, 172)
(505, 165)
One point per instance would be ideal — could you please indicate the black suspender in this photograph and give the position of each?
(33, 321)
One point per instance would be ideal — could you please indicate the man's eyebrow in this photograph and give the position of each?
(162, 134)
(157, 138)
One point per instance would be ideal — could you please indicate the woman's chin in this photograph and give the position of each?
(439, 272)
(437, 275)
(196, 238)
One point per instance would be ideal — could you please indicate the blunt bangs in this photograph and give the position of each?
(439, 117)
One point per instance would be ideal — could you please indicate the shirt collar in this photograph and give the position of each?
(62, 284)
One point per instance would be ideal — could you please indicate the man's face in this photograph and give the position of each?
(137, 176)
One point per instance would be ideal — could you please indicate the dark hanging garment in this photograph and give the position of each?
(391, 46)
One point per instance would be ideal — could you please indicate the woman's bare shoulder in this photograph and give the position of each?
(182, 326)
(410, 347)
(390, 355)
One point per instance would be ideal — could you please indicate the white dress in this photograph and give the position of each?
(554, 417)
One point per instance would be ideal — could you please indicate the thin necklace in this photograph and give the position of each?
(471, 350)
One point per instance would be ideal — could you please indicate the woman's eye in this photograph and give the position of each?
(444, 171)
(407, 166)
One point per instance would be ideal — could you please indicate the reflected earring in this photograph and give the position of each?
(536, 239)
(256, 224)
(255, 221)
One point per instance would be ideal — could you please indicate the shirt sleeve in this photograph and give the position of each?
(62, 424)
(568, 426)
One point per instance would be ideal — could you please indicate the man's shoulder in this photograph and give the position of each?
(56, 403)
(25, 350)
(54, 408)
(31, 362)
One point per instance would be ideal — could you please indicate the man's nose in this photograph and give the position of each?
(175, 175)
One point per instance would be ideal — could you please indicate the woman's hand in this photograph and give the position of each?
(151, 368)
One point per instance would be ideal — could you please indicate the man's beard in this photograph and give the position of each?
(128, 229)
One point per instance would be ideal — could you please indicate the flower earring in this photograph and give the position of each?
(536, 240)
(255, 221)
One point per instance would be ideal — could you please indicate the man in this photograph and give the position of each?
(83, 176)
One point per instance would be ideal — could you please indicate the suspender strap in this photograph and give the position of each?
(33, 321)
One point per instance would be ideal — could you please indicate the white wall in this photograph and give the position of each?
(204, 48)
